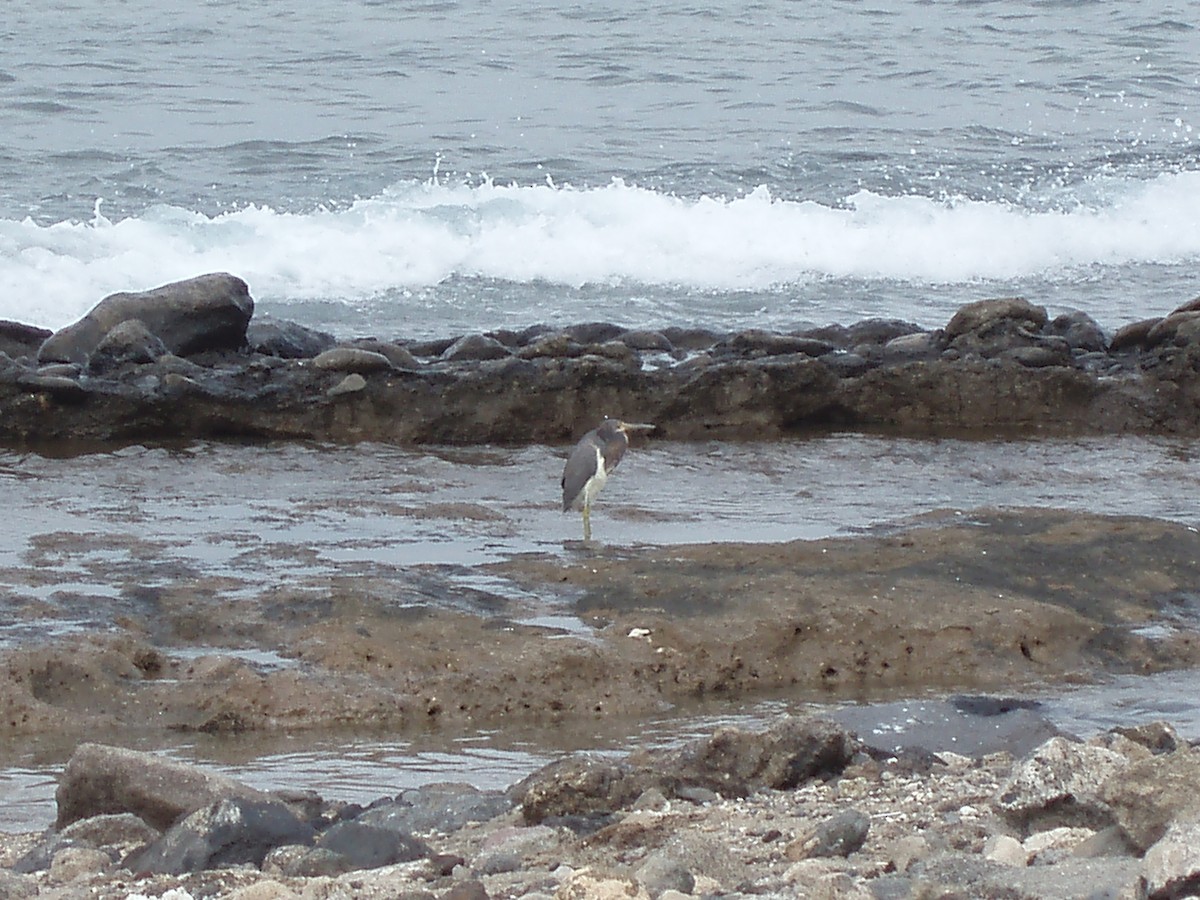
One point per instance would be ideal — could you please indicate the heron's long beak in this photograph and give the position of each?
(637, 426)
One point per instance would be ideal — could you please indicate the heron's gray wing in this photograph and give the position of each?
(581, 465)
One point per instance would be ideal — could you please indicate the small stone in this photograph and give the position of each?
(72, 863)
(351, 384)
(1054, 844)
(352, 359)
(839, 836)
(662, 872)
(1006, 849)
(908, 850)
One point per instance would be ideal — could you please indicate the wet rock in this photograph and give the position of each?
(130, 343)
(1148, 795)
(352, 359)
(731, 762)
(287, 340)
(210, 312)
(1079, 330)
(552, 346)
(364, 846)
(1047, 353)
(1177, 328)
(230, 832)
(654, 341)
(440, 807)
(17, 340)
(734, 762)
(593, 332)
(691, 339)
(1172, 865)
(400, 357)
(579, 785)
(63, 388)
(845, 365)
(351, 384)
(984, 316)
(475, 347)
(99, 779)
(756, 343)
(1060, 784)
(1133, 336)
(917, 345)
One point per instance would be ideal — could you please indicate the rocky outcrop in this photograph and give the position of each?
(997, 366)
(873, 825)
(208, 313)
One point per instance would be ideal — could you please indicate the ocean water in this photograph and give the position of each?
(430, 168)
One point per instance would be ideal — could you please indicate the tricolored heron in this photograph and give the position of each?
(590, 463)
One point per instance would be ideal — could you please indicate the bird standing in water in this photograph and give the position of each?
(588, 467)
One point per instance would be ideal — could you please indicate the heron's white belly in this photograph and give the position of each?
(592, 488)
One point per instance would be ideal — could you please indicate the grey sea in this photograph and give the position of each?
(422, 169)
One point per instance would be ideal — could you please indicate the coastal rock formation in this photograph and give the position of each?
(209, 312)
(875, 825)
(997, 366)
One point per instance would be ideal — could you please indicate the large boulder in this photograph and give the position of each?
(210, 312)
(99, 780)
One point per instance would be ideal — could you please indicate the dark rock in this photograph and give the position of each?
(731, 763)
(129, 343)
(352, 359)
(99, 779)
(296, 861)
(230, 832)
(916, 345)
(18, 340)
(756, 342)
(1079, 330)
(40, 857)
(369, 847)
(1132, 336)
(475, 347)
(351, 384)
(593, 332)
(983, 316)
(442, 808)
(734, 762)
(646, 341)
(691, 339)
(840, 835)
(845, 365)
(580, 785)
(1177, 328)
(555, 346)
(879, 331)
(210, 312)
(1039, 356)
(400, 357)
(287, 340)
(60, 387)
(435, 347)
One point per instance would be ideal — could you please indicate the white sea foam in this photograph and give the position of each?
(418, 235)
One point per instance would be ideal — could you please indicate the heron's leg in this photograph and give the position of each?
(587, 521)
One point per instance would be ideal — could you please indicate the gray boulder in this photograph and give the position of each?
(475, 347)
(442, 808)
(131, 342)
(210, 312)
(231, 832)
(287, 340)
(101, 780)
(1152, 793)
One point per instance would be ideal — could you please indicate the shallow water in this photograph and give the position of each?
(85, 530)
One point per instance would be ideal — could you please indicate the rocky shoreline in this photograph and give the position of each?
(990, 601)
(189, 360)
(798, 809)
